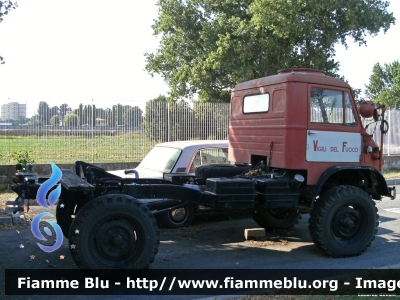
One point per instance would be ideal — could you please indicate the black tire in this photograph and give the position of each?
(276, 218)
(63, 215)
(343, 222)
(181, 217)
(114, 232)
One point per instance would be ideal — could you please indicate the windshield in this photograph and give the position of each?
(161, 159)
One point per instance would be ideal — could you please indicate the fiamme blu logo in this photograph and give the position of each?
(52, 198)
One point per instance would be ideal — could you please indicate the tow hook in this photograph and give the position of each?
(392, 191)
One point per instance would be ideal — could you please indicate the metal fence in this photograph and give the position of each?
(127, 133)
(391, 140)
(116, 134)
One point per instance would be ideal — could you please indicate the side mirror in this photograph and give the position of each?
(368, 109)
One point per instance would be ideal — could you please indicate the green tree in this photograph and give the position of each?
(5, 7)
(64, 109)
(71, 120)
(155, 118)
(80, 114)
(43, 113)
(109, 117)
(53, 111)
(55, 120)
(133, 116)
(384, 85)
(166, 120)
(119, 115)
(34, 121)
(208, 46)
(211, 120)
(93, 116)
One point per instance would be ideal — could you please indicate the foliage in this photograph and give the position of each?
(43, 113)
(71, 120)
(22, 157)
(34, 121)
(208, 46)
(5, 7)
(133, 116)
(55, 120)
(178, 121)
(163, 117)
(154, 123)
(126, 115)
(384, 85)
(211, 115)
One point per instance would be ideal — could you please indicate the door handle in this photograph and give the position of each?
(311, 132)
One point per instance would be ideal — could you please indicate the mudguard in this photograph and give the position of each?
(375, 179)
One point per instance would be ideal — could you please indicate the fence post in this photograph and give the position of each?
(168, 128)
(388, 134)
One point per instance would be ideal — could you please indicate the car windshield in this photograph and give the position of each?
(161, 159)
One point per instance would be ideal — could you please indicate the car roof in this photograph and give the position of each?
(194, 144)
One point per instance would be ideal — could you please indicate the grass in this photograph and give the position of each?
(125, 146)
(392, 173)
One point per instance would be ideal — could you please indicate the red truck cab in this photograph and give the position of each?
(299, 119)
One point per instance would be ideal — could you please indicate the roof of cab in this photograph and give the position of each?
(293, 75)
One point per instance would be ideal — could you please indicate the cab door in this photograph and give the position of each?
(333, 133)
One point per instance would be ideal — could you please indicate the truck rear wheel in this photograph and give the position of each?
(180, 217)
(114, 232)
(343, 221)
(276, 218)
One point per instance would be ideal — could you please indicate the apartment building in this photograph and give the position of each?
(13, 111)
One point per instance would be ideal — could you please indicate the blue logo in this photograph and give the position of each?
(41, 199)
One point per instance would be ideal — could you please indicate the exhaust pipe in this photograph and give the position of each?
(295, 184)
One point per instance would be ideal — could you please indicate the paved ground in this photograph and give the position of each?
(217, 241)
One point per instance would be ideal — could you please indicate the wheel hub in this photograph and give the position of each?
(346, 223)
(116, 240)
(178, 215)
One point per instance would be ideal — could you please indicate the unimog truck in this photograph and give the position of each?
(298, 144)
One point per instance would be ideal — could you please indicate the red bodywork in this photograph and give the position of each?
(287, 123)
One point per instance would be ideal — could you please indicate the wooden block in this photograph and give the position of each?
(16, 218)
(254, 233)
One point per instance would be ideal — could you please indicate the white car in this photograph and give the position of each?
(177, 162)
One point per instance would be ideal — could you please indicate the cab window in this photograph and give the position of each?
(256, 103)
(326, 106)
(350, 116)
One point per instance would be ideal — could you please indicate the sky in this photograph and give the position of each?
(92, 52)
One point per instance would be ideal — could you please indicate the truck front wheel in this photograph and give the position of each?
(343, 221)
(114, 232)
(276, 218)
